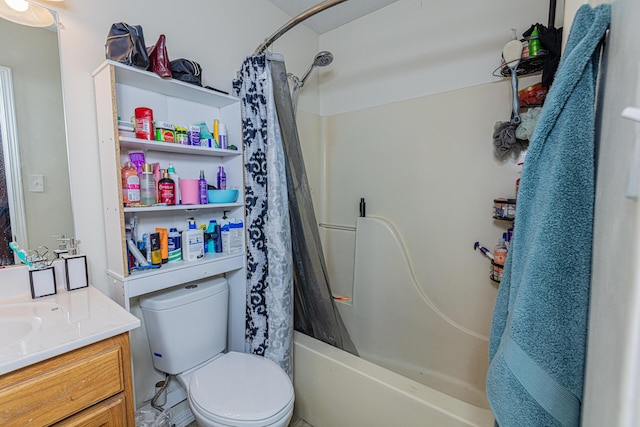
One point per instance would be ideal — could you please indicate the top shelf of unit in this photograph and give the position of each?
(147, 80)
(169, 147)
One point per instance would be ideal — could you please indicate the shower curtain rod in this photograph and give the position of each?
(295, 21)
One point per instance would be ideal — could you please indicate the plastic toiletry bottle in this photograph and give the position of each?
(211, 231)
(499, 259)
(130, 185)
(222, 135)
(217, 239)
(167, 189)
(192, 242)
(236, 229)
(156, 250)
(222, 178)
(534, 42)
(224, 237)
(202, 189)
(518, 180)
(216, 133)
(203, 227)
(174, 245)
(147, 186)
(176, 180)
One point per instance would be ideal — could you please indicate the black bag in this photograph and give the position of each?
(125, 44)
(187, 71)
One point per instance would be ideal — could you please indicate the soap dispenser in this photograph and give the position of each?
(75, 266)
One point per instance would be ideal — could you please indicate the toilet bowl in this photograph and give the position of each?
(239, 389)
(187, 327)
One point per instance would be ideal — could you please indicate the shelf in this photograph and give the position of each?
(186, 208)
(147, 80)
(528, 65)
(504, 209)
(174, 274)
(170, 147)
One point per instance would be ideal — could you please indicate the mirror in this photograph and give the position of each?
(33, 161)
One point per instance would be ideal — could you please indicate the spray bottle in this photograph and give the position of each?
(222, 178)
(202, 189)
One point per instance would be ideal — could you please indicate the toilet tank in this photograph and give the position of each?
(186, 325)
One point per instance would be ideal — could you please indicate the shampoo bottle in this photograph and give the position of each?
(167, 189)
(534, 42)
(202, 189)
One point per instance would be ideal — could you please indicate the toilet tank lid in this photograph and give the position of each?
(184, 294)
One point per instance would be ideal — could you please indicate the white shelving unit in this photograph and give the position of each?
(119, 90)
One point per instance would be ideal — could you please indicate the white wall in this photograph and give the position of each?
(414, 48)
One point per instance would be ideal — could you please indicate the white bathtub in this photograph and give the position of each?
(417, 365)
(336, 389)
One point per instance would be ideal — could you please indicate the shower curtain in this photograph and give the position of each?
(285, 264)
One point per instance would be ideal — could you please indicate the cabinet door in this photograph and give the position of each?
(109, 413)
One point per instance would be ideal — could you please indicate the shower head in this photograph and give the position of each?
(322, 59)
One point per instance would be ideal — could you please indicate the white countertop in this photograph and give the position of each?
(60, 323)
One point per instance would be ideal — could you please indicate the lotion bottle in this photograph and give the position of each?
(192, 242)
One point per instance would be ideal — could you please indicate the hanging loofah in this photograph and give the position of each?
(505, 141)
(528, 125)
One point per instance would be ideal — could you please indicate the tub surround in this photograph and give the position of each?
(60, 323)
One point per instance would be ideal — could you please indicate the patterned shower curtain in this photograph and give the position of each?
(269, 323)
(281, 220)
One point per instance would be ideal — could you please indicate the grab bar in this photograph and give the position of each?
(337, 227)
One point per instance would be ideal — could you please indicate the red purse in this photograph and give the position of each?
(159, 58)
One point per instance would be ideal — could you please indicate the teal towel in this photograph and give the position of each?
(538, 336)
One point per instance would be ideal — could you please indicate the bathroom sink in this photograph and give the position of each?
(19, 321)
(15, 329)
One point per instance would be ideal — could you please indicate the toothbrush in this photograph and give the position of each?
(21, 253)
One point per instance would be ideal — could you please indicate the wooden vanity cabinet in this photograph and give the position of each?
(87, 387)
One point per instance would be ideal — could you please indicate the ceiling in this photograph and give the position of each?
(333, 17)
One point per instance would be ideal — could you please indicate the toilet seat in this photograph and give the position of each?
(240, 389)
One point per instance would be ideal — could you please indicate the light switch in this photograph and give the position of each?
(36, 183)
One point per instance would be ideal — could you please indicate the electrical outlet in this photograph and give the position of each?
(36, 183)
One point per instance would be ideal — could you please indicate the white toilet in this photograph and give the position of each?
(187, 330)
